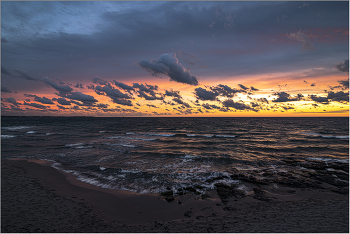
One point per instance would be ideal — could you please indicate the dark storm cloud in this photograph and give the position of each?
(179, 23)
(205, 95)
(98, 80)
(25, 75)
(338, 96)
(12, 101)
(209, 107)
(219, 90)
(323, 100)
(225, 90)
(116, 95)
(78, 96)
(243, 87)
(4, 71)
(169, 65)
(102, 105)
(344, 83)
(149, 105)
(253, 89)
(91, 86)
(112, 92)
(5, 89)
(148, 97)
(179, 101)
(62, 107)
(36, 105)
(285, 97)
(80, 86)
(4, 40)
(343, 67)
(146, 88)
(147, 91)
(59, 88)
(173, 93)
(288, 108)
(123, 86)
(236, 105)
(62, 101)
(263, 100)
(43, 100)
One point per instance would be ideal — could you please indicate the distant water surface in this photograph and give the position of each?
(146, 155)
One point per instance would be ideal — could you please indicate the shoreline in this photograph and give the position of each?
(32, 190)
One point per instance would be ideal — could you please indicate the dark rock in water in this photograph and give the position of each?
(179, 202)
(168, 188)
(167, 193)
(197, 193)
(218, 178)
(225, 192)
(169, 198)
(291, 161)
(315, 165)
(260, 194)
(179, 193)
(340, 175)
(180, 189)
(339, 166)
(295, 182)
(190, 189)
(199, 187)
(204, 196)
(330, 179)
(188, 214)
(209, 181)
(200, 217)
(228, 208)
(341, 191)
(249, 179)
(291, 191)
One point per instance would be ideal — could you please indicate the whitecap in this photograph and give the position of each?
(323, 135)
(77, 144)
(31, 132)
(160, 134)
(330, 160)
(224, 136)
(7, 136)
(191, 135)
(130, 146)
(15, 128)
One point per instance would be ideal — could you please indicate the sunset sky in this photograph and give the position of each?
(175, 58)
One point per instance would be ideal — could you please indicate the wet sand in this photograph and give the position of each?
(37, 198)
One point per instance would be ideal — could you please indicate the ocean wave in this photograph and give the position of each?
(330, 160)
(15, 128)
(228, 136)
(31, 132)
(131, 138)
(7, 136)
(76, 144)
(314, 134)
(159, 134)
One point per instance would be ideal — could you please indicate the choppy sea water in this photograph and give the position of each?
(146, 155)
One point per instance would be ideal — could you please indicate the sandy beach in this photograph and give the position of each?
(37, 198)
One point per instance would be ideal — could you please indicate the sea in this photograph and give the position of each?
(150, 154)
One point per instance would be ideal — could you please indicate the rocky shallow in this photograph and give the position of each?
(38, 198)
(310, 174)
